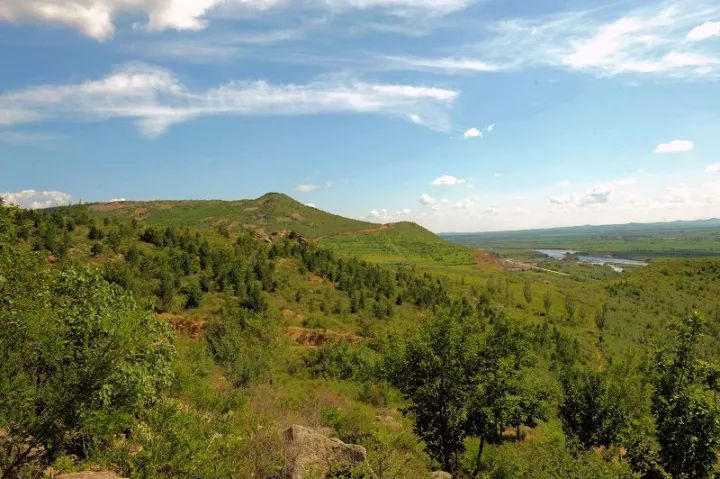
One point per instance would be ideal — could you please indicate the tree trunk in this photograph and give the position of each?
(479, 455)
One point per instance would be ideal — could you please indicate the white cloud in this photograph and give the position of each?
(472, 133)
(704, 31)
(448, 180)
(96, 18)
(713, 168)
(117, 200)
(311, 205)
(678, 194)
(386, 216)
(34, 199)
(428, 200)
(490, 128)
(675, 146)
(564, 183)
(156, 100)
(597, 195)
(465, 204)
(492, 211)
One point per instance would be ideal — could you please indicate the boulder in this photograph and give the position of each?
(441, 475)
(309, 454)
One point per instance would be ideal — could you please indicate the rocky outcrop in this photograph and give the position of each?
(309, 454)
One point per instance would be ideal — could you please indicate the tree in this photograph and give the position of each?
(433, 372)
(167, 290)
(592, 410)
(527, 292)
(547, 302)
(505, 391)
(194, 296)
(685, 406)
(80, 351)
(570, 307)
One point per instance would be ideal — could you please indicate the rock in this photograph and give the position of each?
(89, 475)
(309, 454)
(441, 475)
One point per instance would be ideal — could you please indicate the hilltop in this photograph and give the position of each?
(275, 213)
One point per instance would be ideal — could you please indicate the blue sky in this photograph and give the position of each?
(462, 115)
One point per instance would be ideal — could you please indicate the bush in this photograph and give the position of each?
(80, 351)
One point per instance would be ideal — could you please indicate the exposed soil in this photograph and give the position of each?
(193, 327)
(319, 337)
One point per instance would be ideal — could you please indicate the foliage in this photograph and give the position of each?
(685, 405)
(592, 410)
(78, 358)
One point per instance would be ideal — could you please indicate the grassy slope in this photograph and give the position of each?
(394, 243)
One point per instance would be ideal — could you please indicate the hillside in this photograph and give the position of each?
(276, 213)
(205, 345)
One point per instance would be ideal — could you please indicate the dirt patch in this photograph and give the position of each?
(487, 259)
(164, 205)
(319, 337)
(250, 209)
(297, 217)
(114, 206)
(193, 327)
(315, 279)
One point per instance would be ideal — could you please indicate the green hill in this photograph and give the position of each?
(276, 213)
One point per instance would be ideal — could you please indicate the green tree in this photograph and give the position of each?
(592, 410)
(547, 302)
(527, 292)
(570, 307)
(79, 351)
(433, 373)
(505, 391)
(194, 296)
(685, 405)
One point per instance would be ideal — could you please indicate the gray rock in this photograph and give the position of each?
(309, 454)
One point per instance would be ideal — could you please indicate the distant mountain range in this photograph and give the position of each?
(592, 230)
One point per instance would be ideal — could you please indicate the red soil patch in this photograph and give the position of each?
(193, 327)
(486, 258)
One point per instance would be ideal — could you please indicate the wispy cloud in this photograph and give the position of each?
(155, 99)
(660, 39)
(447, 64)
(311, 187)
(25, 137)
